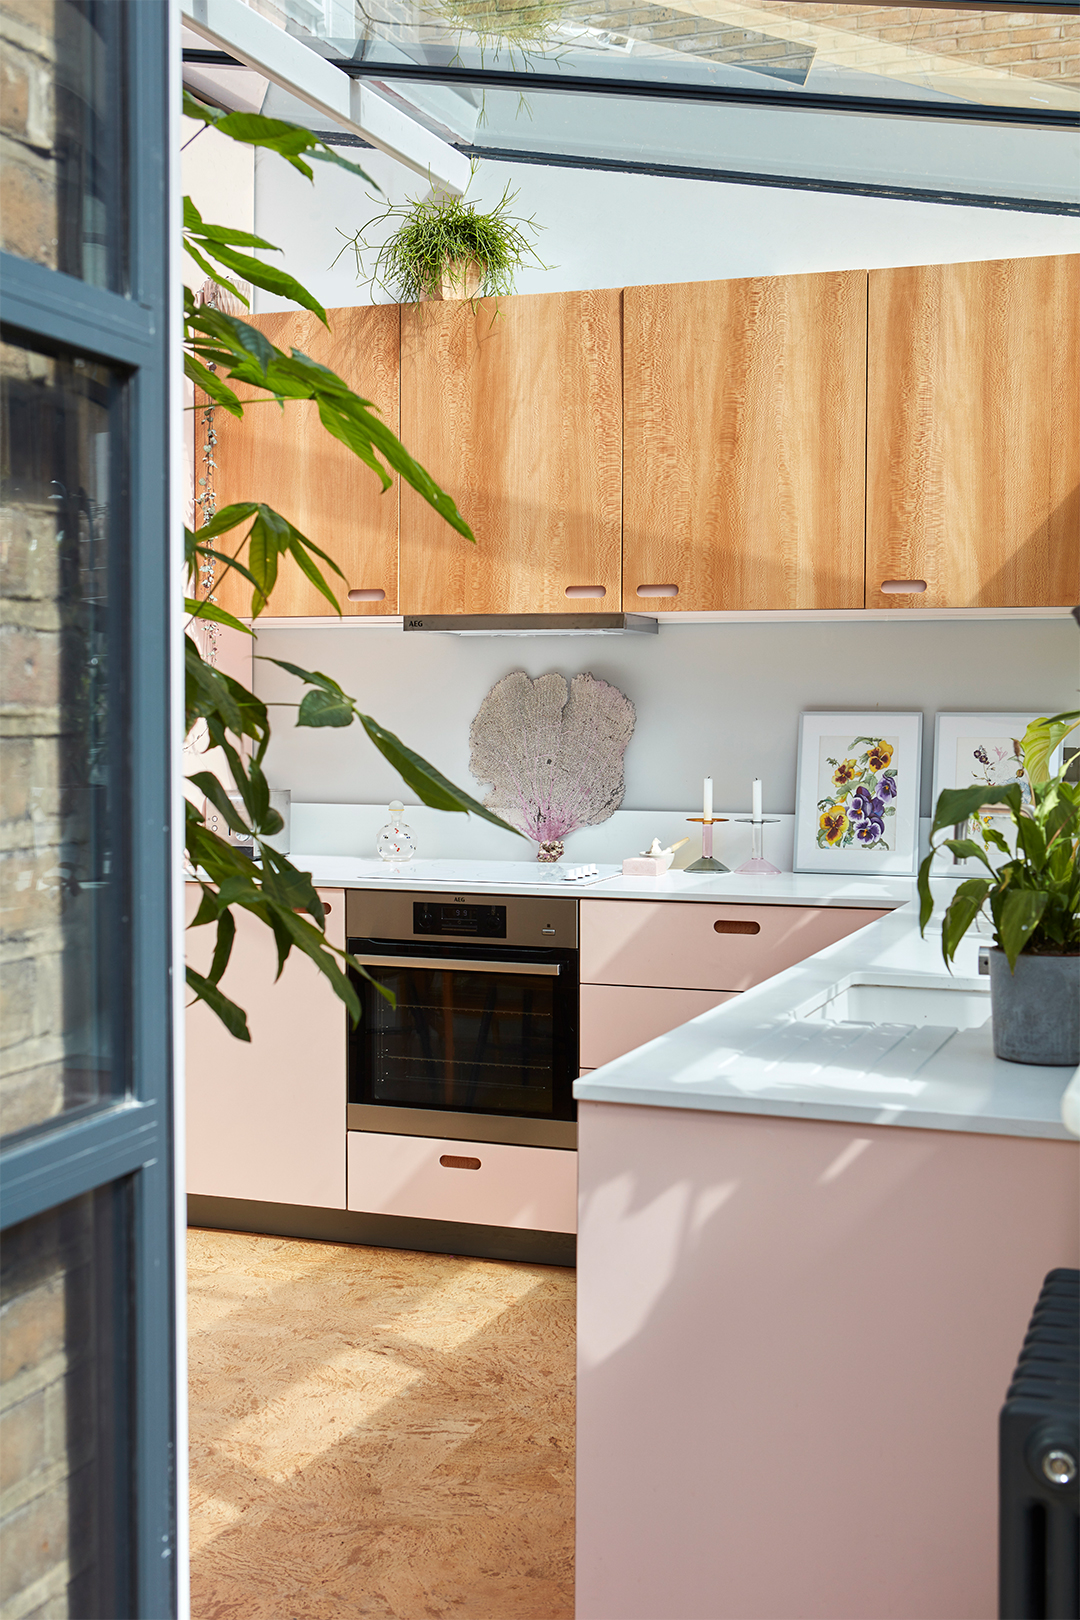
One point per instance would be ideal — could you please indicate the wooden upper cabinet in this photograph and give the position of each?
(744, 408)
(288, 460)
(518, 416)
(973, 408)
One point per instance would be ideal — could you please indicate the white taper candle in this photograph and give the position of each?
(707, 805)
(756, 811)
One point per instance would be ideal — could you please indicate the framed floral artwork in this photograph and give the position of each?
(857, 795)
(979, 750)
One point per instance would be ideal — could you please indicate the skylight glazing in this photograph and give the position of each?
(959, 102)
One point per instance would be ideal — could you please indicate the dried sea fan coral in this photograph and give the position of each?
(553, 755)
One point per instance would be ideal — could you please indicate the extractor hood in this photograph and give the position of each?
(532, 624)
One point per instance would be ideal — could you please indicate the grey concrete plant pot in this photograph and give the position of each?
(1036, 1010)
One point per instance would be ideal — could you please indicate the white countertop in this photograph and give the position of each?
(741, 1057)
(744, 1057)
(788, 888)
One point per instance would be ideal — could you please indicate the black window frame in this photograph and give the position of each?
(130, 1137)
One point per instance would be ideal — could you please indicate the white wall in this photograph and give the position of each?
(723, 699)
(219, 177)
(620, 230)
(720, 699)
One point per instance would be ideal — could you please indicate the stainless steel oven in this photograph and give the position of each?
(480, 1042)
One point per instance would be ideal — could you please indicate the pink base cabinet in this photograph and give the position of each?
(794, 1340)
(266, 1120)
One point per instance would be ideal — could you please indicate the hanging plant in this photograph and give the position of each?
(525, 27)
(444, 248)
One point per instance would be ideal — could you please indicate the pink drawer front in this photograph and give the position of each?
(484, 1183)
(697, 946)
(616, 1019)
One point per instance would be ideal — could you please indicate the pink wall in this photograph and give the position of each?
(794, 1340)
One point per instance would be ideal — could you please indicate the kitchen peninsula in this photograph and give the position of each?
(813, 1225)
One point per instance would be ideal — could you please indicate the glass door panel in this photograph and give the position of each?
(58, 773)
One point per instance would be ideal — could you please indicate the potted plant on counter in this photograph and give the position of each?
(444, 248)
(1033, 896)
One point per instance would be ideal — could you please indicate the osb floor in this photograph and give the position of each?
(380, 1433)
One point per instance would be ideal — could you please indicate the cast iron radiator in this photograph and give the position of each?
(1039, 1450)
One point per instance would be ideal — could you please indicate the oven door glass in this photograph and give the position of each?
(475, 1029)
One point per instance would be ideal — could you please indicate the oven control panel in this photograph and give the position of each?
(459, 921)
(548, 920)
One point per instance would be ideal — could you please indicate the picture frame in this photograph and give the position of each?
(959, 741)
(857, 793)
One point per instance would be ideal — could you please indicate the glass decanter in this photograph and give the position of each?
(396, 841)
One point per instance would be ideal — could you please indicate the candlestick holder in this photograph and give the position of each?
(757, 865)
(707, 863)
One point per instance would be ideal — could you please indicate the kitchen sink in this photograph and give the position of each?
(885, 998)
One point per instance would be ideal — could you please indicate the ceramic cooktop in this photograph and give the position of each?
(487, 874)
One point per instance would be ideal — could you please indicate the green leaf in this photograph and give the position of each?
(1017, 917)
(208, 784)
(267, 276)
(267, 538)
(298, 550)
(1041, 739)
(310, 677)
(205, 265)
(965, 849)
(218, 556)
(926, 899)
(226, 933)
(211, 384)
(233, 1017)
(328, 154)
(224, 234)
(227, 518)
(961, 912)
(202, 609)
(288, 140)
(431, 785)
(956, 805)
(325, 709)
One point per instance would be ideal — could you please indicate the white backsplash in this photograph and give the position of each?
(350, 829)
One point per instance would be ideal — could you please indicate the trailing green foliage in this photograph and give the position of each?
(220, 346)
(443, 238)
(523, 28)
(1034, 895)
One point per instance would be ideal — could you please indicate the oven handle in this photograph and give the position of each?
(549, 970)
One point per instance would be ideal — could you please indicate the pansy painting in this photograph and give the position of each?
(857, 807)
(860, 798)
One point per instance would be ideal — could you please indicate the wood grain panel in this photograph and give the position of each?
(744, 422)
(519, 416)
(973, 420)
(287, 459)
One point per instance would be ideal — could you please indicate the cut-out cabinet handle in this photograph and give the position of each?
(366, 593)
(730, 925)
(658, 590)
(902, 587)
(585, 590)
(458, 1161)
